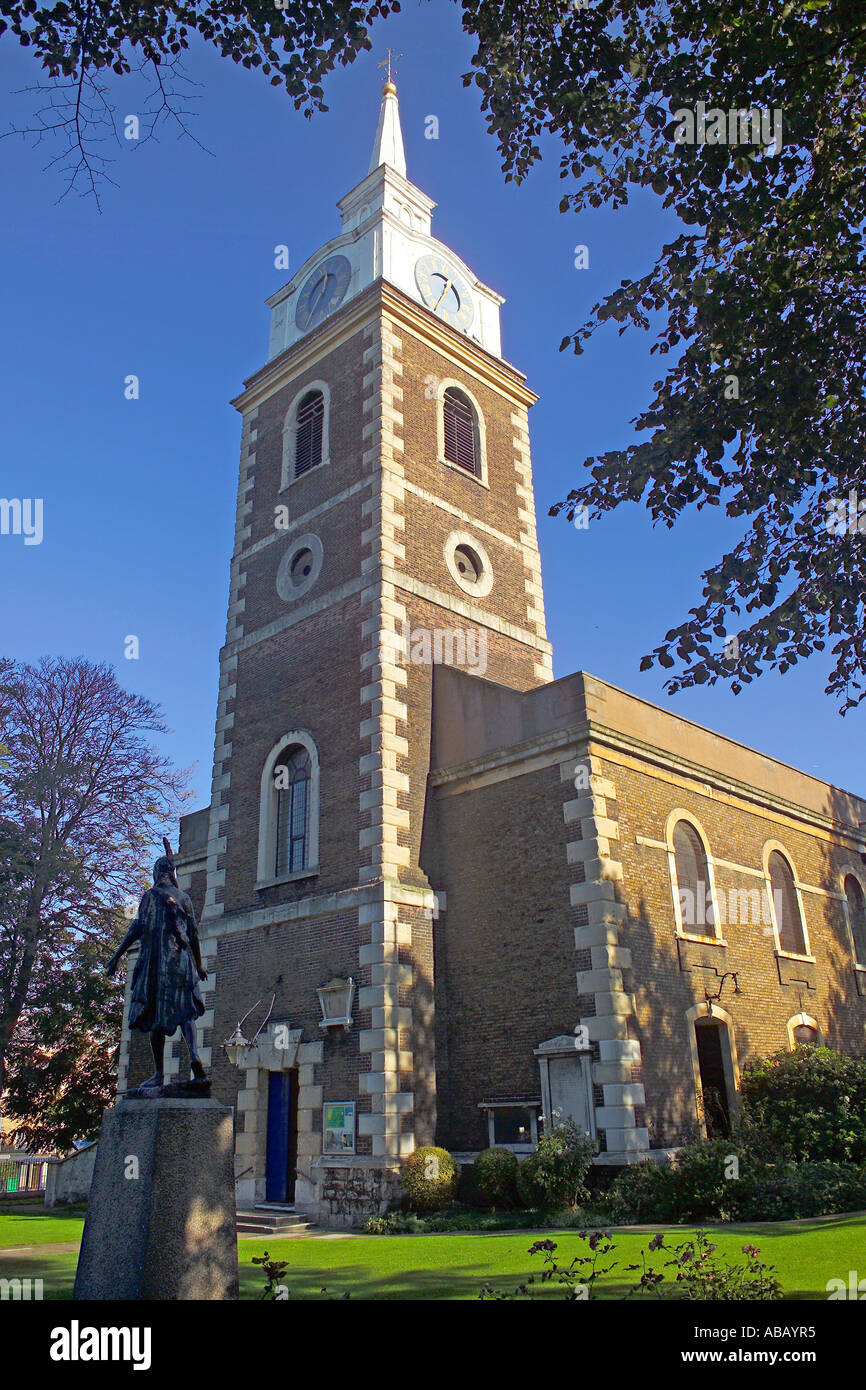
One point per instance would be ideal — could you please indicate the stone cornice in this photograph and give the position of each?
(382, 297)
(550, 748)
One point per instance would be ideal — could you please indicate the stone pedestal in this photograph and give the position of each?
(161, 1218)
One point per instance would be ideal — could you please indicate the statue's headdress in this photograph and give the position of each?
(165, 862)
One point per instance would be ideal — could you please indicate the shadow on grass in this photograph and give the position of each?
(57, 1272)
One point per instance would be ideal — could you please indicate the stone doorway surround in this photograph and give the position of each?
(280, 1048)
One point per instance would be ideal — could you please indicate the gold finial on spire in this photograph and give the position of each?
(388, 87)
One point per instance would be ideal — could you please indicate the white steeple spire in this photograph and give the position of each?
(388, 145)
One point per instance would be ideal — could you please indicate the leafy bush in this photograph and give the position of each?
(528, 1190)
(431, 1178)
(641, 1194)
(494, 1176)
(700, 1185)
(785, 1191)
(808, 1105)
(553, 1176)
(703, 1180)
(396, 1223)
(695, 1188)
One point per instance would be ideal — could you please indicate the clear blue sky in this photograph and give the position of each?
(169, 282)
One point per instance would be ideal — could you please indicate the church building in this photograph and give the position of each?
(443, 897)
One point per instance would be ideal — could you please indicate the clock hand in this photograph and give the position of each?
(324, 285)
(442, 295)
(314, 308)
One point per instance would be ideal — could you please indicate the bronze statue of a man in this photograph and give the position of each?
(165, 992)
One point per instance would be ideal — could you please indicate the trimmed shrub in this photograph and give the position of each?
(528, 1188)
(431, 1178)
(494, 1177)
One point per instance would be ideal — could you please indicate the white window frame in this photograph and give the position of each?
(533, 1106)
(266, 878)
(290, 433)
(769, 847)
(716, 939)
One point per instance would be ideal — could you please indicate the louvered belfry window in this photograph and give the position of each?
(461, 431)
(308, 435)
(293, 811)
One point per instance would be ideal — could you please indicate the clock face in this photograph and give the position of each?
(322, 292)
(443, 291)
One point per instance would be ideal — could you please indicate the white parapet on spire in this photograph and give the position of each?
(388, 145)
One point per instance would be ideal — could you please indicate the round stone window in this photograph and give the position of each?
(299, 568)
(468, 564)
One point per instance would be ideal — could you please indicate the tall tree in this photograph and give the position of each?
(62, 1063)
(82, 46)
(83, 795)
(759, 303)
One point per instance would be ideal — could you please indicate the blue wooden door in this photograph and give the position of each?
(279, 1174)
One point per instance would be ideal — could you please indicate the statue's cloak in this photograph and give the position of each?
(165, 985)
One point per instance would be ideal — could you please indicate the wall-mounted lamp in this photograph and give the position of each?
(232, 1045)
(710, 998)
(336, 999)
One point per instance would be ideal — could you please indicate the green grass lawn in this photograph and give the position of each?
(37, 1226)
(806, 1254)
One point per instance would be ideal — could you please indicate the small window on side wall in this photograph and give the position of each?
(461, 431)
(786, 905)
(854, 897)
(804, 1035)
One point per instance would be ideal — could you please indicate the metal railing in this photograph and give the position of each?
(23, 1175)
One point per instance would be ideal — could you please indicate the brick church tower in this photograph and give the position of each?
(385, 522)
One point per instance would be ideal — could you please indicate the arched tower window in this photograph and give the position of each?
(692, 881)
(856, 916)
(309, 431)
(786, 905)
(306, 431)
(289, 810)
(292, 778)
(461, 431)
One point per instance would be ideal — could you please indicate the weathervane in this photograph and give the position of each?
(386, 62)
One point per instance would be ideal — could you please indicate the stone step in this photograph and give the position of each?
(247, 1228)
(268, 1221)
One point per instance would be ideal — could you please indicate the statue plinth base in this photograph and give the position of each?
(196, 1089)
(161, 1218)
